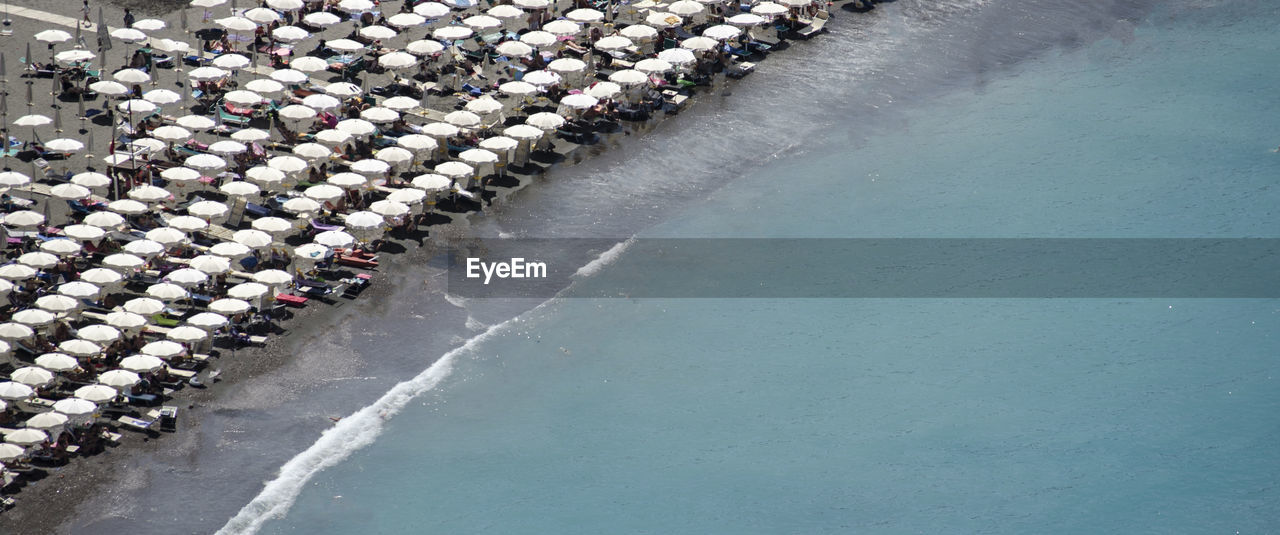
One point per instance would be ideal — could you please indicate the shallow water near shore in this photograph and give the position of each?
(922, 119)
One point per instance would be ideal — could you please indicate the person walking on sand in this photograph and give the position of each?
(128, 18)
(85, 10)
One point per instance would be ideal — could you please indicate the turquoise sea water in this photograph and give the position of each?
(883, 415)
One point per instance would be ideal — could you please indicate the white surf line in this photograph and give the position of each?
(53, 18)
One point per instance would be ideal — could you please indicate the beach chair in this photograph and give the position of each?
(816, 26)
(292, 300)
(134, 423)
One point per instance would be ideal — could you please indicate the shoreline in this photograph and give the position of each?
(69, 486)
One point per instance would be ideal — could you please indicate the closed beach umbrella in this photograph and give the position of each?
(164, 349)
(32, 376)
(163, 291)
(99, 334)
(146, 306)
(119, 379)
(141, 363)
(61, 362)
(97, 393)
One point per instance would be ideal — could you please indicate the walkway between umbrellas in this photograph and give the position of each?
(53, 18)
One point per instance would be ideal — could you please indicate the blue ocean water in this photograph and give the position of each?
(984, 119)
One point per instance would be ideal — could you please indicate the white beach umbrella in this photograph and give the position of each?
(505, 12)
(79, 290)
(389, 208)
(406, 20)
(289, 76)
(170, 291)
(745, 20)
(250, 135)
(47, 421)
(290, 34)
(34, 119)
(164, 348)
(247, 291)
(478, 157)
(376, 32)
(119, 379)
(455, 170)
(186, 277)
(126, 321)
(499, 144)
(57, 303)
(207, 210)
(699, 43)
(432, 182)
(273, 277)
(242, 97)
(566, 66)
(343, 90)
(585, 15)
(97, 393)
(26, 437)
(203, 162)
(532, 4)
(141, 363)
(524, 132)
(301, 205)
(68, 57)
(195, 122)
(207, 320)
(397, 60)
(545, 120)
(266, 177)
(400, 103)
(128, 35)
(236, 24)
(75, 406)
(332, 137)
(13, 179)
(102, 277)
(451, 33)
(344, 45)
(166, 236)
(109, 88)
(334, 239)
(171, 133)
(131, 76)
(274, 226)
(407, 196)
(152, 194)
(12, 331)
(394, 155)
(32, 376)
(685, 8)
(370, 167)
(52, 36)
(64, 145)
(161, 97)
(675, 56)
(33, 317)
(287, 164)
(612, 43)
(58, 247)
(361, 220)
(542, 78)
(579, 101)
(379, 115)
(91, 180)
(38, 260)
(188, 224)
(240, 188)
(323, 192)
(17, 272)
(321, 19)
(123, 261)
(769, 9)
(603, 90)
(309, 64)
(10, 452)
(514, 48)
(255, 239)
(424, 47)
(562, 27)
(312, 151)
(99, 334)
(23, 219)
(653, 66)
(296, 113)
(722, 32)
(518, 88)
(356, 127)
(482, 22)
(347, 180)
(264, 86)
(147, 144)
(356, 6)
(431, 10)
(149, 25)
(210, 264)
(417, 143)
(147, 306)
(187, 334)
(229, 306)
(261, 15)
(660, 19)
(127, 207)
(14, 391)
(61, 362)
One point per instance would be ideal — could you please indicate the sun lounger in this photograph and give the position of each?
(134, 423)
(294, 300)
(141, 399)
(818, 25)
